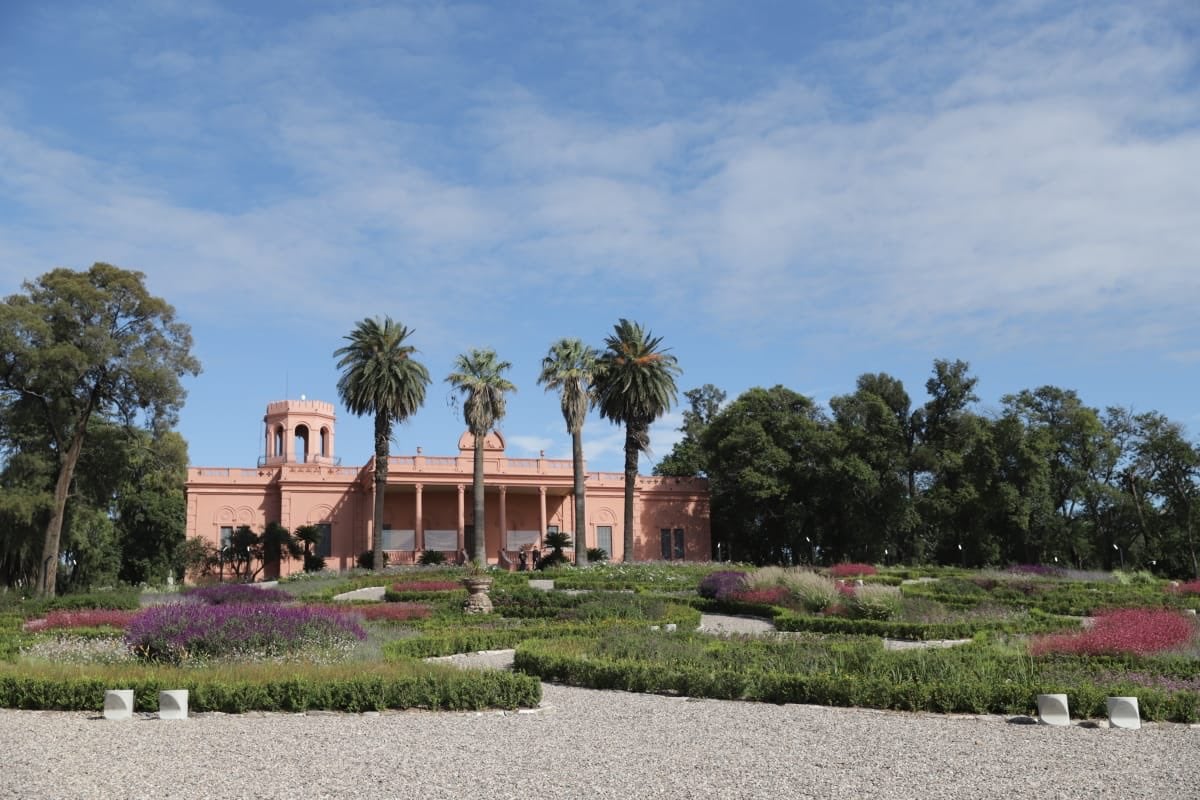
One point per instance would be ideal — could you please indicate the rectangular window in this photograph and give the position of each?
(226, 536)
(604, 539)
(551, 529)
(679, 549)
(665, 539)
(325, 546)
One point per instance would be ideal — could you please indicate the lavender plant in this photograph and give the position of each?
(183, 633)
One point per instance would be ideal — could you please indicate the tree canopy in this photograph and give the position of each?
(76, 346)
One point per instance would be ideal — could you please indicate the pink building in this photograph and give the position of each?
(428, 503)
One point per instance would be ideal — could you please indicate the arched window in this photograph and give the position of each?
(324, 442)
(278, 440)
(302, 444)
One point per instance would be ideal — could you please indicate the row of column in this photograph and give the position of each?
(419, 522)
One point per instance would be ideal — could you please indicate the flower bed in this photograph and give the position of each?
(181, 633)
(87, 618)
(1138, 631)
(237, 593)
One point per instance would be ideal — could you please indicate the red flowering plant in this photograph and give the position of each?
(1191, 588)
(426, 586)
(851, 570)
(770, 596)
(389, 612)
(86, 618)
(1136, 631)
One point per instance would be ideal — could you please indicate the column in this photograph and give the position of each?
(419, 522)
(503, 517)
(542, 511)
(462, 525)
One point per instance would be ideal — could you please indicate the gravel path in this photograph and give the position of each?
(590, 744)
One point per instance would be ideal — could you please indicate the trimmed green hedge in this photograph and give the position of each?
(968, 679)
(352, 688)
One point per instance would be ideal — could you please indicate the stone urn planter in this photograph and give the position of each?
(478, 601)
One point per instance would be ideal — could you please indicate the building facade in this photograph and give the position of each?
(428, 499)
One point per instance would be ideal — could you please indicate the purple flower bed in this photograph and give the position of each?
(719, 585)
(182, 632)
(237, 594)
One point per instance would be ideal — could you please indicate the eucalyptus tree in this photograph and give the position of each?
(569, 368)
(479, 376)
(79, 345)
(380, 377)
(635, 385)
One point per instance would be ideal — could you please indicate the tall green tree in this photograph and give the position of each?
(569, 369)
(479, 376)
(686, 458)
(635, 385)
(380, 377)
(79, 344)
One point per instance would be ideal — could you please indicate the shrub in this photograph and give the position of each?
(874, 602)
(313, 563)
(815, 592)
(597, 554)
(1138, 631)
(366, 559)
(719, 585)
(431, 558)
(179, 633)
(237, 594)
(851, 570)
(88, 618)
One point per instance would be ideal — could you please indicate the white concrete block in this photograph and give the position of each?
(118, 704)
(670, 627)
(1123, 713)
(173, 704)
(1052, 709)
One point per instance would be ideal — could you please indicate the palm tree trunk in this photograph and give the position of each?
(633, 447)
(382, 435)
(479, 529)
(581, 558)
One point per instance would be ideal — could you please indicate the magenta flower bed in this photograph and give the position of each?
(237, 593)
(1138, 631)
(390, 612)
(87, 618)
(851, 570)
(426, 586)
(1041, 570)
(1189, 588)
(181, 632)
(771, 596)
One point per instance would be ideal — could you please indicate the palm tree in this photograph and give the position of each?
(570, 367)
(634, 385)
(480, 378)
(380, 377)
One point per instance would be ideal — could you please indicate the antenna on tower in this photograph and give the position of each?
(286, 388)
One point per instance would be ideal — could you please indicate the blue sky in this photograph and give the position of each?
(787, 192)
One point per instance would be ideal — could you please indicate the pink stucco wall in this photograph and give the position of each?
(320, 491)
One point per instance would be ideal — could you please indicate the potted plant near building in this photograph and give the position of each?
(478, 583)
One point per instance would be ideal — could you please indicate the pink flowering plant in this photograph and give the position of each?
(181, 633)
(1135, 631)
(390, 612)
(85, 618)
(851, 570)
(426, 586)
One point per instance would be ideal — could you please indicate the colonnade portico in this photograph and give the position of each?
(423, 494)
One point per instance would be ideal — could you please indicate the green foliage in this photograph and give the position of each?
(350, 688)
(596, 554)
(431, 558)
(78, 348)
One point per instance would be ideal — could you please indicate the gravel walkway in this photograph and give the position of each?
(590, 744)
